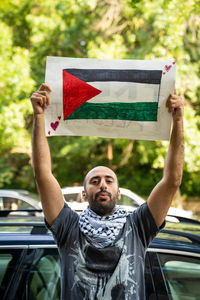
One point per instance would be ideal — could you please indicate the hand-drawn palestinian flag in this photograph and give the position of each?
(111, 94)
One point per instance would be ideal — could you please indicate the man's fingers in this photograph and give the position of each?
(175, 105)
(173, 96)
(45, 87)
(173, 102)
(37, 100)
(40, 99)
(178, 103)
(168, 100)
(45, 94)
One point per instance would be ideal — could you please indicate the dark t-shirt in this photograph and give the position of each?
(111, 273)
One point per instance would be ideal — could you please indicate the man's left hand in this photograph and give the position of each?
(175, 105)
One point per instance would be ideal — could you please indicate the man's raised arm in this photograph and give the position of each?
(48, 187)
(161, 197)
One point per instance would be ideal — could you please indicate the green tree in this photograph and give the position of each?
(125, 29)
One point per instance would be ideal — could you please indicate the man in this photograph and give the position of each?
(102, 251)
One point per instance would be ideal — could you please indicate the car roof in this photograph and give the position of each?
(161, 244)
(180, 233)
(31, 232)
(28, 230)
(18, 192)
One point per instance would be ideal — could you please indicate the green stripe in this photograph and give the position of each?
(138, 111)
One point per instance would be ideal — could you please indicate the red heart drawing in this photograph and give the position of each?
(163, 73)
(174, 62)
(167, 67)
(54, 125)
(49, 132)
(59, 117)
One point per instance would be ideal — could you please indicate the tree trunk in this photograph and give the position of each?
(110, 153)
(126, 154)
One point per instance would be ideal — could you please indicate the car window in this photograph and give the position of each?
(9, 262)
(126, 200)
(73, 197)
(5, 258)
(43, 281)
(182, 275)
(14, 203)
(149, 286)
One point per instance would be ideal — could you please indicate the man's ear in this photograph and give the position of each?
(84, 197)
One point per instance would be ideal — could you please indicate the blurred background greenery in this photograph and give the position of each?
(114, 29)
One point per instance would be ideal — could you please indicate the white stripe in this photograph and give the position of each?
(114, 91)
(174, 252)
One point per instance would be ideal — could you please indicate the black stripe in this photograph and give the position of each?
(140, 76)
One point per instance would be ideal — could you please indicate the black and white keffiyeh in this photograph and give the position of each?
(102, 231)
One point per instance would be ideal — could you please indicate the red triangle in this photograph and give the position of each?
(75, 93)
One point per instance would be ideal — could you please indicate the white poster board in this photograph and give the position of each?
(109, 98)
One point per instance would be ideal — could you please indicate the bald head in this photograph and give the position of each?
(101, 190)
(97, 170)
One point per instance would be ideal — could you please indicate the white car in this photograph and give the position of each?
(21, 202)
(129, 200)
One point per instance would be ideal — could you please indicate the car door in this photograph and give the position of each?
(30, 273)
(149, 281)
(11, 263)
(181, 272)
(43, 278)
(160, 288)
(176, 274)
(40, 275)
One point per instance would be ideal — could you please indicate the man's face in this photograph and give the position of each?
(101, 190)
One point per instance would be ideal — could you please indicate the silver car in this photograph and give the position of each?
(20, 202)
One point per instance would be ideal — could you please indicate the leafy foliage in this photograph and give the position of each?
(127, 29)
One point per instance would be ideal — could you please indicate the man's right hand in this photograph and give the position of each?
(48, 187)
(40, 99)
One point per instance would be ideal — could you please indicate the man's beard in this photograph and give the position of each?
(101, 209)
